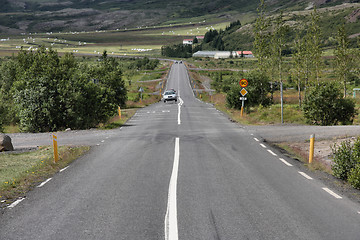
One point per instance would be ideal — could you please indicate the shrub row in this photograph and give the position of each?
(346, 164)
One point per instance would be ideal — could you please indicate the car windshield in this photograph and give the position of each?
(169, 93)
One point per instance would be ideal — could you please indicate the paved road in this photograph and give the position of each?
(182, 171)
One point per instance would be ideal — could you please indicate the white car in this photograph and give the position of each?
(170, 95)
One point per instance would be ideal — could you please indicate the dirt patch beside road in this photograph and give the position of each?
(321, 166)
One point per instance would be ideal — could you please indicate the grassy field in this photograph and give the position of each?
(20, 172)
(130, 42)
(260, 115)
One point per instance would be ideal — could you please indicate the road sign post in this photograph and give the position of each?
(311, 151)
(119, 111)
(141, 90)
(55, 145)
(243, 83)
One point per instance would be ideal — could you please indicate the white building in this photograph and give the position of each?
(188, 41)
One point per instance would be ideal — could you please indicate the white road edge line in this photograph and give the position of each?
(306, 176)
(171, 224)
(256, 139)
(45, 182)
(16, 203)
(332, 193)
(262, 145)
(272, 153)
(64, 169)
(285, 162)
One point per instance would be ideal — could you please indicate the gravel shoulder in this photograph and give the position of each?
(297, 138)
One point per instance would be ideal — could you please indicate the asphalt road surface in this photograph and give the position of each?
(182, 171)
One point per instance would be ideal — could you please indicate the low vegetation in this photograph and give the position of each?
(20, 172)
(347, 162)
(42, 91)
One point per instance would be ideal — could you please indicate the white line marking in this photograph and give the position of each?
(179, 110)
(272, 153)
(102, 141)
(285, 162)
(16, 203)
(359, 212)
(256, 139)
(45, 182)
(251, 134)
(171, 224)
(332, 193)
(64, 169)
(262, 145)
(305, 175)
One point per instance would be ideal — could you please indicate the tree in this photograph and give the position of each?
(262, 38)
(314, 45)
(277, 46)
(299, 62)
(53, 93)
(324, 105)
(344, 57)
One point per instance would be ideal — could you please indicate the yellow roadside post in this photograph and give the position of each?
(119, 110)
(311, 152)
(55, 145)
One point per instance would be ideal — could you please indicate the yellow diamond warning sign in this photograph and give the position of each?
(243, 92)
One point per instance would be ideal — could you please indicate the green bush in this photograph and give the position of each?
(354, 176)
(2, 113)
(324, 105)
(343, 161)
(51, 93)
(346, 158)
(258, 91)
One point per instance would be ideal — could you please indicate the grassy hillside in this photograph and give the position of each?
(18, 16)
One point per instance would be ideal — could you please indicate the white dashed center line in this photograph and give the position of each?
(256, 139)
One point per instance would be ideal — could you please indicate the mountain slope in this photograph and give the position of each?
(53, 15)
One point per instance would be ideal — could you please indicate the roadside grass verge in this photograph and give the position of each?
(303, 156)
(116, 122)
(258, 115)
(20, 172)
